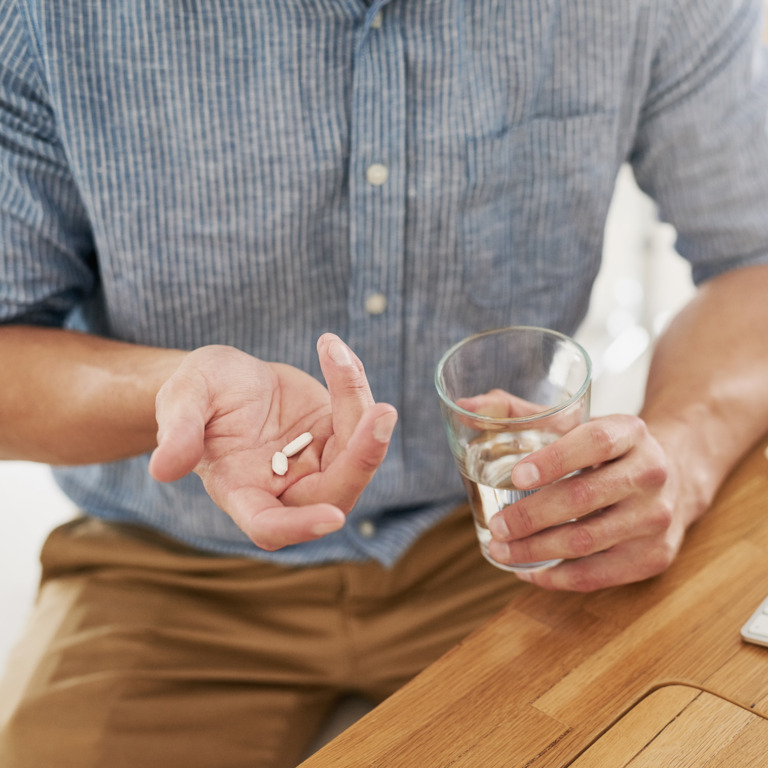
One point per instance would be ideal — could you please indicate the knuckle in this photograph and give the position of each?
(658, 559)
(605, 439)
(357, 386)
(653, 475)
(581, 493)
(368, 464)
(581, 540)
(528, 552)
(611, 437)
(654, 470)
(634, 426)
(524, 519)
(257, 528)
(523, 551)
(263, 542)
(660, 470)
(661, 516)
(555, 460)
(583, 580)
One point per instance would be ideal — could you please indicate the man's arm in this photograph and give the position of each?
(68, 398)
(707, 393)
(73, 398)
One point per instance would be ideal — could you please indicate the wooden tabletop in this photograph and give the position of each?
(651, 674)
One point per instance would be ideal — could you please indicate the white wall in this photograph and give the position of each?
(642, 283)
(31, 504)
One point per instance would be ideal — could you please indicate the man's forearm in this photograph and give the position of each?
(72, 398)
(707, 394)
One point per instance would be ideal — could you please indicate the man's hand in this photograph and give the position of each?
(644, 480)
(224, 413)
(627, 505)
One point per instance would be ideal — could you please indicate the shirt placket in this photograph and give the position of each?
(377, 187)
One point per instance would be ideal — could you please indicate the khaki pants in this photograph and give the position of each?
(142, 652)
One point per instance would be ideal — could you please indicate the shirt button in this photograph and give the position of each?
(367, 529)
(375, 303)
(377, 174)
(376, 21)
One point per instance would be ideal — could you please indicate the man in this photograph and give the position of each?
(209, 209)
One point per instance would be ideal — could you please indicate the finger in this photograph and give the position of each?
(558, 503)
(499, 404)
(347, 385)
(181, 411)
(271, 525)
(632, 482)
(342, 481)
(639, 560)
(599, 532)
(596, 442)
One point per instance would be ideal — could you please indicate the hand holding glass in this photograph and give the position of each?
(505, 393)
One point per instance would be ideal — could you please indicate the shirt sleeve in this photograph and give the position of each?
(701, 150)
(47, 263)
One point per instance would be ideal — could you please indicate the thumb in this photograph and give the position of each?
(181, 411)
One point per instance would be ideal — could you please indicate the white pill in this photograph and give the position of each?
(279, 463)
(299, 444)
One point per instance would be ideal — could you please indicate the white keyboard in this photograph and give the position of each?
(756, 629)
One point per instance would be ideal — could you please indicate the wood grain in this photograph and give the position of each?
(556, 678)
(680, 727)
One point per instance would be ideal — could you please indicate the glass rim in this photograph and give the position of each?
(443, 395)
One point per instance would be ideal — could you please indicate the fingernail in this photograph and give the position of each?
(499, 551)
(525, 475)
(498, 527)
(323, 529)
(340, 353)
(384, 426)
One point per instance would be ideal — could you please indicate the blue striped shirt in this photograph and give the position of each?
(403, 173)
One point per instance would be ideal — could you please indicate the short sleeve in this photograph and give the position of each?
(47, 264)
(702, 144)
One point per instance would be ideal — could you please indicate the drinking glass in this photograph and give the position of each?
(504, 393)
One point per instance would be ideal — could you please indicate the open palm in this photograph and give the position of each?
(225, 413)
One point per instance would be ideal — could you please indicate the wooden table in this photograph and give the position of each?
(652, 674)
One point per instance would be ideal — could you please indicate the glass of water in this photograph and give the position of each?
(504, 393)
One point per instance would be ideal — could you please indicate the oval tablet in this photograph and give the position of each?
(299, 444)
(279, 463)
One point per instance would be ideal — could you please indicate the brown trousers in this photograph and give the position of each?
(142, 652)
